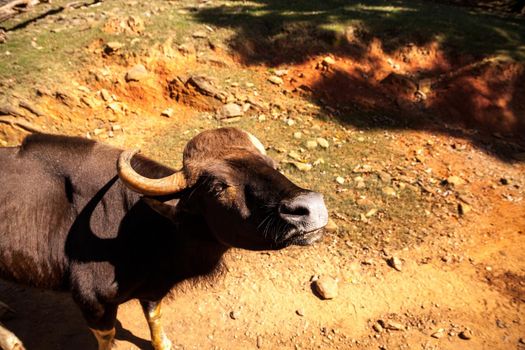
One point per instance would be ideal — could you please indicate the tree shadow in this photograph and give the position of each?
(49, 320)
(291, 33)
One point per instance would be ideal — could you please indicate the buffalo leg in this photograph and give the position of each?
(152, 311)
(101, 320)
(9, 341)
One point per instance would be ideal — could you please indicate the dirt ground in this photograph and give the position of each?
(425, 163)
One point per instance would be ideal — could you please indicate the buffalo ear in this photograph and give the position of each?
(166, 209)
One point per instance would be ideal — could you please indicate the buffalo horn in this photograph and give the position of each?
(146, 186)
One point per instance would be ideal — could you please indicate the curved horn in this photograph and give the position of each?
(146, 186)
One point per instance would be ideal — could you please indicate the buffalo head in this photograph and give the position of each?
(236, 188)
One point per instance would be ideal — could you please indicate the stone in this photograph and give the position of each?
(377, 327)
(395, 263)
(393, 326)
(384, 176)
(455, 181)
(199, 34)
(466, 334)
(328, 61)
(326, 287)
(440, 333)
(340, 180)
(112, 47)
(331, 226)
(168, 112)
(365, 203)
(106, 96)
(302, 166)
(230, 110)
(204, 85)
(299, 312)
(463, 208)
(234, 315)
(281, 72)
(297, 135)
(311, 144)
(371, 212)
(274, 79)
(389, 191)
(137, 73)
(323, 142)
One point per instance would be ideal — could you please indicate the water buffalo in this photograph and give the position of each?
(112, 226)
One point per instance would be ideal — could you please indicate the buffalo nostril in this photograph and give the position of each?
(293, 209)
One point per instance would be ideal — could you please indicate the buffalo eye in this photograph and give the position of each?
(218, 188)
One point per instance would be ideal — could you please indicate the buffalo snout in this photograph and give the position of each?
(306, 211)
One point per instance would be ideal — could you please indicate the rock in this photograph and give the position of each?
(297, 135)
(168, 112)
(466, 334)
(204, 85)
(377, 327)
(371, 212)
(360, 185)
(393, 326)
(200, 34)
(311, 144)
(440, 333)
(11, 110)
(384, 176)
(234, 315)
(112, 47)
(302, 166)
(230, 110)
(281, 72)
(261, 118)
(322, 142)
(326, 287)
(455, 181)
(299, 312)
(504, 181)
(295, 155)
(106, 96)
(331, 226)
(463, 208)
(395, 263)
(274, 79)
(328, 61)
(389, 191)
(365, 203)
(340, 180)
(137, 73)
(290, 122)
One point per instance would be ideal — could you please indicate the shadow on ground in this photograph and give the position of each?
(47, 320)
(291, 33)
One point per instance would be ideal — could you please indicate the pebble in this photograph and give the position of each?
(326, 287)
(137, 73)
(466, 334)
(234, 315)
(328, 61)
(331, 226)
(231, 110)
(199, 34)
(389, 191)
(395, 263)
(299, 312)
(113, 46)
(340, 180)
(274, 79)
(377, 327)
(323, 142)
(384, 177)
(168, 112)
(438, 334)
(365, 203)
(281, 72)
(463, 208)
(455, 181)
(392, 325)
(311, 144)
(297, 135)
(302, 166)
